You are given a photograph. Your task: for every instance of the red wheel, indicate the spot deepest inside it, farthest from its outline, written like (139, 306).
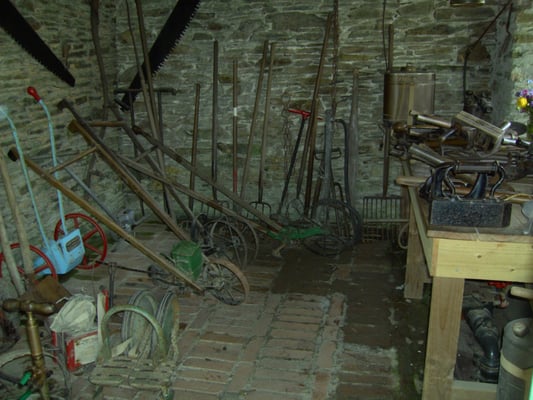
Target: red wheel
(41, 262)
(93, 236)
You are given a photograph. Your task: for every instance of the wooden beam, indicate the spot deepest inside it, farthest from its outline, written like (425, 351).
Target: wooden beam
(506, 261)
(444, 328)
(463, 390)
(416, 272)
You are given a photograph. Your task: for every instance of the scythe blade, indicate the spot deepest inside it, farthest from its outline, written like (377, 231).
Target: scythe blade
(22, 32)
(170, 35)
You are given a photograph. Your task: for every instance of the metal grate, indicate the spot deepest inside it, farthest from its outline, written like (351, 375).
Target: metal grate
(382, 218)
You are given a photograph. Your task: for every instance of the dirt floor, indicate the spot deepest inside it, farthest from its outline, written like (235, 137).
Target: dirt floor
(379, 321)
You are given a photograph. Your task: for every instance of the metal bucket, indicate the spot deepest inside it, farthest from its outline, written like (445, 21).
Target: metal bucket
(405, 91)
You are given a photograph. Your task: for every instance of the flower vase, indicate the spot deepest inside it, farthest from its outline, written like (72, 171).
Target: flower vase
(529, 130)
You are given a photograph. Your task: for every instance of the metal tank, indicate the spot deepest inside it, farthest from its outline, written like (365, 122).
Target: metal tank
(516, 363)
(405, 90)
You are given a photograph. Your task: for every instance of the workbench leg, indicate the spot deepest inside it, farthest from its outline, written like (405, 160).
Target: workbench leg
(416, 273)
(442, 338)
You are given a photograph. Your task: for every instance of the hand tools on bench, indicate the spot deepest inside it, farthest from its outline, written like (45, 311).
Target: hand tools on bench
(474, 209)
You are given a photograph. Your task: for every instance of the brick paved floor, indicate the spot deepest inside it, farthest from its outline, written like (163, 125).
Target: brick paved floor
(313, 328)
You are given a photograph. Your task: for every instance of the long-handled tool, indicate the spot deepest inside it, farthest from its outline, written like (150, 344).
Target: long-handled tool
(214, 119)
(235, 135)
(264, 207)
(351, 154)
(194, 147)
(305, 116)
(119, 230)
(222, 189)
(170, 35)
(15, 210)
(215, 279)
(21, 232)
(67, 252)
(148, 91)
(314, 117)
(10, 259)
(246, 166)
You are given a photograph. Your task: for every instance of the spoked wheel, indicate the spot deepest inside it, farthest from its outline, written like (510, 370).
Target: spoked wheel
(15, 364)
(250, 236)
(341, 226)
(225, 281)
(42, 266)
(228, 242)
(93, 236)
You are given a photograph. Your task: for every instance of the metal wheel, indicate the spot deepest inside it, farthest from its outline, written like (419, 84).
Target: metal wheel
(225, 281)
(14, 364)
(228, 242)
(94, 238)
(42, 266)
(341, 225)
(136, 327)
(250, 236)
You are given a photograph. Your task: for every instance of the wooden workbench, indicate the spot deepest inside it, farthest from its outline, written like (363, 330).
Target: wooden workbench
(446, 257)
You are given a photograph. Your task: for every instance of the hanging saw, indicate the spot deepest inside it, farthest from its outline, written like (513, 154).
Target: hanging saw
(169, 36)
(20, 30)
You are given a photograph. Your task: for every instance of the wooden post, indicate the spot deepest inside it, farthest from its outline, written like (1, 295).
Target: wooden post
(444, 328)
(416, 273)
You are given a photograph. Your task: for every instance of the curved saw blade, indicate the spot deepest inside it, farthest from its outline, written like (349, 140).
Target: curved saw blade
(170, 35)
(20, 30)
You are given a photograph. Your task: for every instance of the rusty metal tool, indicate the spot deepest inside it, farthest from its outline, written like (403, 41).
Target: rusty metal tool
(22, 32)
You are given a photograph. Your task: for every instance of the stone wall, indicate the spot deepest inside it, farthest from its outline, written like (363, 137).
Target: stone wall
(428, 34)
(520, 60)
(66, 30)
